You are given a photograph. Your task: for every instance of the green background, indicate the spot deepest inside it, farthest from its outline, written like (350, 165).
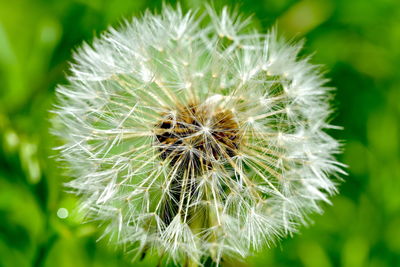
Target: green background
(357, 41)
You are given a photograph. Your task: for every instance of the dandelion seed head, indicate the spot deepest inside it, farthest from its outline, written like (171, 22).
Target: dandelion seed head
(196, 141)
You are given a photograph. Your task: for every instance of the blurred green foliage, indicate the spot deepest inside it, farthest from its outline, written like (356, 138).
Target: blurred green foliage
(358, 41)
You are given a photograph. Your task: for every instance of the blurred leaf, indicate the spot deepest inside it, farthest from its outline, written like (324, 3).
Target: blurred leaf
(355, 252)
(305, 16)
(312, 255)
(29, 161)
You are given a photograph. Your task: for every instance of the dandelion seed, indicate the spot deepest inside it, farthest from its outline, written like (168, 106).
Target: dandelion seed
(196, 142)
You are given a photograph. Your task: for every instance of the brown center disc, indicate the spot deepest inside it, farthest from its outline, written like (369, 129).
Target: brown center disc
(198, 135)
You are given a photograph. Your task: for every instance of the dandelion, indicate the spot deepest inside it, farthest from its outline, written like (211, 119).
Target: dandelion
(194, 137)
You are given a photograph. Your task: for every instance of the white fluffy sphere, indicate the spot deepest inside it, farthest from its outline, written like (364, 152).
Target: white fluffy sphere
(195, 137)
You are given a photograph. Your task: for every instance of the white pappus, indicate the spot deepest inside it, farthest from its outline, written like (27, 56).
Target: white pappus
(196, 137)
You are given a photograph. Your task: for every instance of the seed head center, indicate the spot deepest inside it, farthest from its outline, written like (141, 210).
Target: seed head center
(198, 135)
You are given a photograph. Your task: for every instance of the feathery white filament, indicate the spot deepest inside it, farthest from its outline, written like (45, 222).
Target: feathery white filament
(197, 141)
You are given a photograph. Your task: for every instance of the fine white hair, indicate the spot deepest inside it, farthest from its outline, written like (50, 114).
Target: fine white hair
(201, 202)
